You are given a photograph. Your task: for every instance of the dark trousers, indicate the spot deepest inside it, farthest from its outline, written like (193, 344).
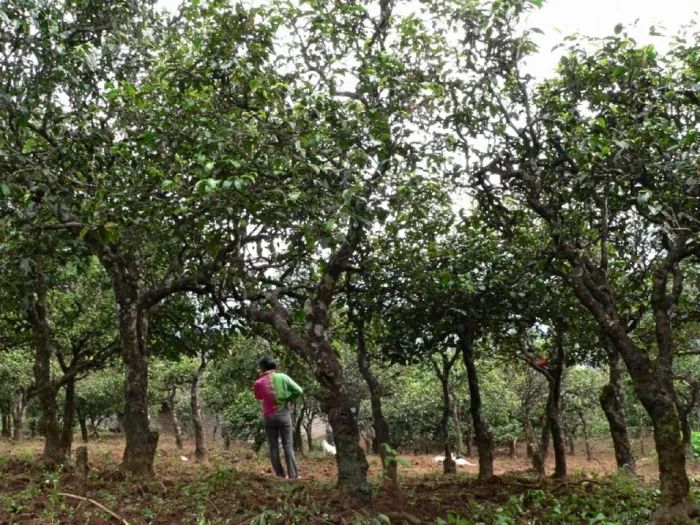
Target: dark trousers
(279, 425)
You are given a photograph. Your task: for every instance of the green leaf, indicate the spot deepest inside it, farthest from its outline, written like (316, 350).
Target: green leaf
(203, 186)
(298, 316)
(84, 232)
(5, 189)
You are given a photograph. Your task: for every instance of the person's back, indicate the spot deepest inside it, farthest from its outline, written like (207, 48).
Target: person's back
(276, 390)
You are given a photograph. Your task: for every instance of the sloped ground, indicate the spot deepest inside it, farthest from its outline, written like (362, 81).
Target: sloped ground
(236, 487)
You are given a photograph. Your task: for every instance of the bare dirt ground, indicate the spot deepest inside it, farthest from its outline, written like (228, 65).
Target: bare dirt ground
(236, 486)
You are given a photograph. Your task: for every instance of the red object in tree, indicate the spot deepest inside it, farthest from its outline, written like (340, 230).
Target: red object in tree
(542, 362)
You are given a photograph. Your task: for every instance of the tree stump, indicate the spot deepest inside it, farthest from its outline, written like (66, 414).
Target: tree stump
(81, 465)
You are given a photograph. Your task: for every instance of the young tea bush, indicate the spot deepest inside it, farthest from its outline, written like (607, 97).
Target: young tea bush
(618, 501)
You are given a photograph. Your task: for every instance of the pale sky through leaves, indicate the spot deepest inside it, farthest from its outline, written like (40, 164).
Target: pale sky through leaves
(597, 18)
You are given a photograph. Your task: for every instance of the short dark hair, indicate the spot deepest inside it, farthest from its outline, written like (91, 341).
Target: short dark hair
(267, 363)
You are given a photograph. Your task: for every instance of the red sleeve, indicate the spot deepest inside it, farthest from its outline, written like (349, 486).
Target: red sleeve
(257, 390)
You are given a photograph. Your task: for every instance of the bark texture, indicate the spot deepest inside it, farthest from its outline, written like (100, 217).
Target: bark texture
(141, 441)
(482, 429)
(177, 426)
(554, 407)
(81, 465)
(351, 461)
(457, 422)
(539, 456)
(82, 421)
(308, 426)
(443, 369)
(685, 405)
(529, 437)
(68, 418)
(200, 450)
(612, 403)
(54, 453)
(382, 438)
(18, 412)
(298, 443)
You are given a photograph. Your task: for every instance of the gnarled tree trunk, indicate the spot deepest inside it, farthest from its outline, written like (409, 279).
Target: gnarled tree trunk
(18, 411)
(177, 426)
(482, 430)
(46, 391)
(685, 407)
(586, 441)
(554, 407)
(686, 433)
(443, 372)
(82, 421)
(382, 438)
(612, 403)
(513, 448)
(141, 441)
(459, 443)
(539, 456)
(298, 443)
(529, 437)
(333, 396)
(351, 461)
(200, 451)
(68, 417)
(653, 385)
(308, 426)
(469, 439)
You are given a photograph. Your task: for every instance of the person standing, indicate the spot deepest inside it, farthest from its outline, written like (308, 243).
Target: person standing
(276, 390)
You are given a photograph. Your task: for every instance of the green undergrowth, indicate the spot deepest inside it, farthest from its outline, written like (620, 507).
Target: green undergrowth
(615, 500)
(227, 494)
(695, 443)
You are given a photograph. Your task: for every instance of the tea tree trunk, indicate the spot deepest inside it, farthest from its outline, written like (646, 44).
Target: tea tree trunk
(554, 408)
(482, 430)
(612, 403)
(82, 421)
(54, 453)
(141, 441)
(382, 439)
(18, 412)
(172, 406)
(200, 451)
(68, 418)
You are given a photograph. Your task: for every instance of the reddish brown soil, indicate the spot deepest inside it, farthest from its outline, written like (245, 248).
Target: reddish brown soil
(237, 484)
